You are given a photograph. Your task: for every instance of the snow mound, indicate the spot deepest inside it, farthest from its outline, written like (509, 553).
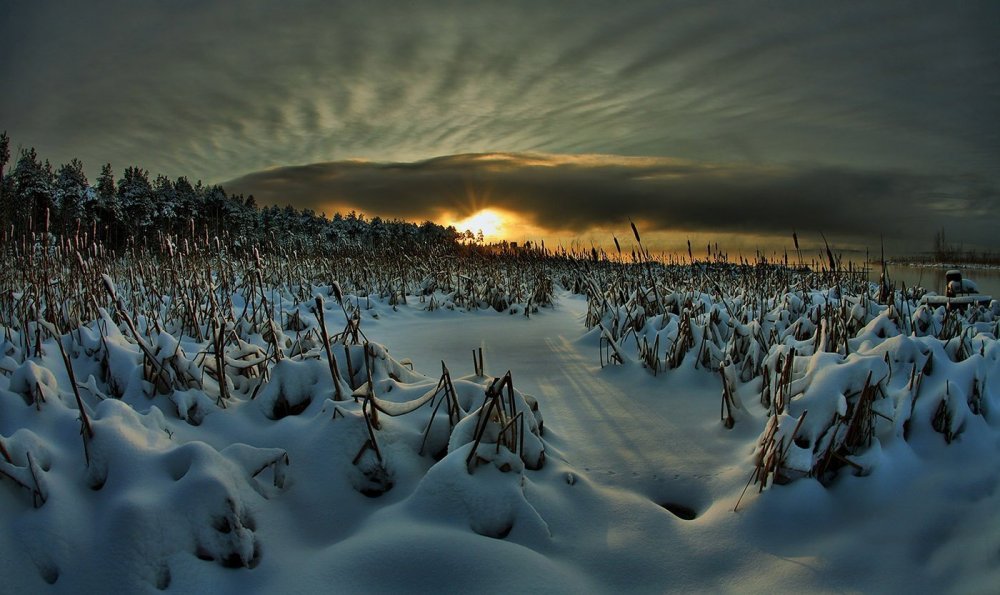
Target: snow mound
(175, 460)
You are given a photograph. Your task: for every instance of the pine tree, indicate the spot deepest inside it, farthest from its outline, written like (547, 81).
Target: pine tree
(70, 192)
(186, 206)
(4, 151)
(240, 219)
(32, 189)
(165, 201)
(214, 207)
(135, 195)
(109, 211)
(4, 197)
(251, 215)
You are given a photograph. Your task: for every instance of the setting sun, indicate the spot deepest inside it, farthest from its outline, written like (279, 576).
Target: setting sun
(490, 222)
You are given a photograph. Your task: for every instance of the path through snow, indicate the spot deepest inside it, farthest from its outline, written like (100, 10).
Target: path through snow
(609, 422)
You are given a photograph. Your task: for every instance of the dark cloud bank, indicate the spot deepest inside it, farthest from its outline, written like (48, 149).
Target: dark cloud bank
(575, 194)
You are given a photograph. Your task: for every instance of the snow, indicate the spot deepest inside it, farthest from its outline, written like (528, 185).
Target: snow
(626, 480)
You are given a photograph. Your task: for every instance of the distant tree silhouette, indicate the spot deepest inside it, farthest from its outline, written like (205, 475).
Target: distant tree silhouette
(135, 209)
(33, 189)
(135, 194)
(109, 210)
(5, 213)
(71, 191)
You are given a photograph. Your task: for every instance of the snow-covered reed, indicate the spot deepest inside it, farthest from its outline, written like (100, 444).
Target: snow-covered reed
(865, 361)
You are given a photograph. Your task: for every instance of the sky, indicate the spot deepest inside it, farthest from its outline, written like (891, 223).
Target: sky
(737, 122)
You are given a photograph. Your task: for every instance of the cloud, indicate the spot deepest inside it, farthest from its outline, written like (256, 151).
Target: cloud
(891, 106)
(580, 193)
(211, 90)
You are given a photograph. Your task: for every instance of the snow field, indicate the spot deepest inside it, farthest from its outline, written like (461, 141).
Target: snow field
(879, 421)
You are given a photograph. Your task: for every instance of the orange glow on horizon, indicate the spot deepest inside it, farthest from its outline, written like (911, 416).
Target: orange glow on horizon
(490, 222)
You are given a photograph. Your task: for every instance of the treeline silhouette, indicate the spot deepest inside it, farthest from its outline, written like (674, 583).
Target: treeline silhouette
(945, 251)
(37, 198)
